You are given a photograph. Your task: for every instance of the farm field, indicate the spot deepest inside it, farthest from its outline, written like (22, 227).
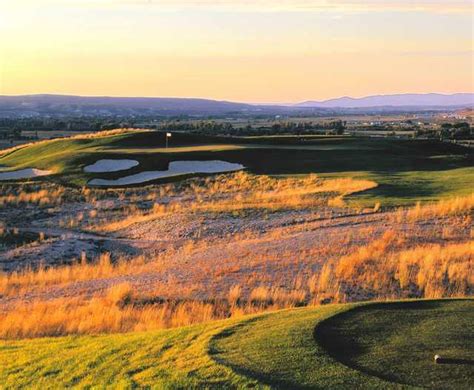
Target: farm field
(254, 246)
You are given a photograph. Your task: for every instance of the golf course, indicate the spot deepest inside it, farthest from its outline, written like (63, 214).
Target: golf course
(375, 345)
(406, 171)
(230, 262)
(237, 194)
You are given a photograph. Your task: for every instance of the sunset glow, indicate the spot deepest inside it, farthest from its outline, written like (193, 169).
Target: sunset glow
(253, 51)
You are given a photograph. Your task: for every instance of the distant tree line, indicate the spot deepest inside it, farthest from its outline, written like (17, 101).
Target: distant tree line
(279, 128)
(11, 128)
(454, 131)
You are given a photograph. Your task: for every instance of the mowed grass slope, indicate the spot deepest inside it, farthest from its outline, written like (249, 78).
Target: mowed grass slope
(277, 350)
(406, 170)
(398, 188)
(398, 341)
(174, 358)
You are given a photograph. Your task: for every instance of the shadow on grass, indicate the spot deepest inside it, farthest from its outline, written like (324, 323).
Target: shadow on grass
(266, 379)
(346, 340)
(469, 362)
(404, 190)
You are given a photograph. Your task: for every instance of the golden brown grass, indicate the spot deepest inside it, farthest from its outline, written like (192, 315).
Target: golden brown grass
(121, 310)
(41, 197)
(242, 191)
(443, 208)
(385, 269)
(436, 270)
(47, 195)
(391, 265)
(381, 269)
(111, 313)
(28, 279)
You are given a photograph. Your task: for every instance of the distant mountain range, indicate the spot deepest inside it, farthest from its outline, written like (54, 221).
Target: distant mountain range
(68, 105)
(88, 105)
(400, 100)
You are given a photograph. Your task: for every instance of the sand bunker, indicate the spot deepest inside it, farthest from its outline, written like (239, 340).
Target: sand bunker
(176, 168)
(105, 165)
(27, 173)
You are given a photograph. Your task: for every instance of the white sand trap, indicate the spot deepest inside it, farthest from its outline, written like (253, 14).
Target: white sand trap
(176, 168)
(27, 173)
(105, 165)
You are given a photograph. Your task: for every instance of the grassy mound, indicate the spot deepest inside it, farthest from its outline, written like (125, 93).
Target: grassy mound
(174, 358)
(407, 170)
(280, 349)
(397, 341)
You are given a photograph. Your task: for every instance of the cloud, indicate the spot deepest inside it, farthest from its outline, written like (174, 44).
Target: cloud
(437, 6)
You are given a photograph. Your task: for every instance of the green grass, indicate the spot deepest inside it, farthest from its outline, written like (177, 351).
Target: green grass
(397, 341)
(353, 346)
(175, 358)
(406, 170)
(405, 188)
(279, 350)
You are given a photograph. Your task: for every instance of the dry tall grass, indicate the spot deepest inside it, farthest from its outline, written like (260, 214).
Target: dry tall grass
(385, 269)
(120, 310)
(442, 208)
(380, 270)
(28, 279)
(242, 191)
(111, 313)
(382, 264)
(41, 197)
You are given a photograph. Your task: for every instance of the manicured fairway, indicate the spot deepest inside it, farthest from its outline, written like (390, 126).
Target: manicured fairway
(405, 188)
(335, 346)
(406, 170)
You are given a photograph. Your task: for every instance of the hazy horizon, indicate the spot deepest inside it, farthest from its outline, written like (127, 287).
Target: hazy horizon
(257, 52)
(282, 103)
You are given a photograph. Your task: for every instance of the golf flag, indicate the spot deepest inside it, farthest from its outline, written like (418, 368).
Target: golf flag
(168, 134)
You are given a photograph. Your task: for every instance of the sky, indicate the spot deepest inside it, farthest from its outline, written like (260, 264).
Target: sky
(259, 51)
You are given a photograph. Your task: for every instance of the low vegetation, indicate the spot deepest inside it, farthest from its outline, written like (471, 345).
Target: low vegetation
(385, 268)
(178, 284)
(244, 353)
(241, 191)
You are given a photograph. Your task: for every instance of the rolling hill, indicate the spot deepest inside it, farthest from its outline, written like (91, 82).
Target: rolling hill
(406, 170)
(35, 105)
(398, 100)
(104, 106)
(334, 346)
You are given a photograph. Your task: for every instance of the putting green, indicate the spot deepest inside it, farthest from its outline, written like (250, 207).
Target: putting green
(397, 342)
